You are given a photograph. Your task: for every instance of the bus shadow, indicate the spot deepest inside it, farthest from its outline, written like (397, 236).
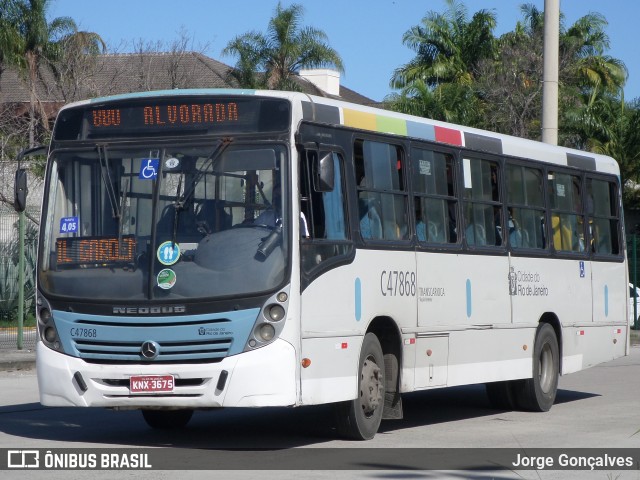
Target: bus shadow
(457, 403)
(245, 428)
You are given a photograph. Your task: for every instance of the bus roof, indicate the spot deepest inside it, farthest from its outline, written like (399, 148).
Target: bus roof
(336, 112)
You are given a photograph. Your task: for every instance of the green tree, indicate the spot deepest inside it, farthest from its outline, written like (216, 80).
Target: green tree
(440, 78)
(36, 42)
(273, 60)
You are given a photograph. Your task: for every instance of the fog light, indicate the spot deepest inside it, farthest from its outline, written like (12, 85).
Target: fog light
(45, 315)
(282, 297)
(267, 332)
(50, 334)
(276, 312)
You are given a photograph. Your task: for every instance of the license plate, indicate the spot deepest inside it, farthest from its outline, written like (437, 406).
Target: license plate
(151, 383)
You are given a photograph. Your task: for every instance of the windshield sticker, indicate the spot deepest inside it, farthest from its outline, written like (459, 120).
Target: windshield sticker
(69, 225)
(166, 278)
(149, 169)
(168, 253)
(172, 162)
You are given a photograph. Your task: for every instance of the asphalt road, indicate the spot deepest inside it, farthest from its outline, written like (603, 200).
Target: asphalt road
(597, 408)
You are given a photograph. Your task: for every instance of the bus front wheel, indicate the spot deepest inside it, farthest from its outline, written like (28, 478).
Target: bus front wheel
(360, 419)
(539, 392)
(167, 419)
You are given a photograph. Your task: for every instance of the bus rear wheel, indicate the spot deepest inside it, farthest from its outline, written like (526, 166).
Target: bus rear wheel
(538, 393)
(359, 419)
(167, 419)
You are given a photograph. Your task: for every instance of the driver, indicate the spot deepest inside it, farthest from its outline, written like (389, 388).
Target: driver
(272, 216)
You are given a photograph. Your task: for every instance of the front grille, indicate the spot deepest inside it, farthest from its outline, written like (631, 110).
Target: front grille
(168, 351)
(179, 339)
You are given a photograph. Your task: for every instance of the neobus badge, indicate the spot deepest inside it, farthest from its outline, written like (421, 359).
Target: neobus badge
(154, 310)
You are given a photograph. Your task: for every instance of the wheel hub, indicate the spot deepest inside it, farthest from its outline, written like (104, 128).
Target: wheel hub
(370, 387)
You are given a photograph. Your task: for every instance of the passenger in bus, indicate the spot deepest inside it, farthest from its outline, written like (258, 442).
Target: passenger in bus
(475, 234)
(429, 230)
(515, 233)
(370, 224)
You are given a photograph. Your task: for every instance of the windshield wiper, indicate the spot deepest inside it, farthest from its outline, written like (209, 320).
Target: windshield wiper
(182, 200)
(222, 146)
(105, 174)
(178, 206)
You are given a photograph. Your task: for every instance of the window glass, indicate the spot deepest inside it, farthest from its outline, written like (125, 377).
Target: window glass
(603, 220)
(567, 220)
(525, 209)
(435, 204)
(382, 200)
(323, 218)
(482, 208)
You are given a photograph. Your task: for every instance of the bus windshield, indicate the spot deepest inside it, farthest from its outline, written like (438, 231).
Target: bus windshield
(165, 222)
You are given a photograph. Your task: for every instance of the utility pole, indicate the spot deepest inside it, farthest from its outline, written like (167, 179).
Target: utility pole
(550, 73)
(20, 280)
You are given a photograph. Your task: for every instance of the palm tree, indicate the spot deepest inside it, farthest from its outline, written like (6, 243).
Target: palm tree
(9, 34)
(36, 42)
(448, 46)
(440, 80)
(286, 48)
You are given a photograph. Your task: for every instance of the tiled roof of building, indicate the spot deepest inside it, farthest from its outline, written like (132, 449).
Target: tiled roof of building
(124, 73)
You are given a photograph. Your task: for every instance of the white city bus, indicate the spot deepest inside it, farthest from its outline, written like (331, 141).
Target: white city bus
(235, 248)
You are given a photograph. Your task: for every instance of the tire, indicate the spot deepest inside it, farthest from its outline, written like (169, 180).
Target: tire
(502, 394)
(359, 419)
(167, 419)
(538, 394)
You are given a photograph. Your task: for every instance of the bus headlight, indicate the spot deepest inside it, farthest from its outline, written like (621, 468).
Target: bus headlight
(276, 313)
(266, 332)
(47, 329)
(50, 334)
(270, 322)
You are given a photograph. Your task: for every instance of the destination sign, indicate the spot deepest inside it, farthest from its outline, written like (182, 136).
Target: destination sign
(173, 115)
(95, 250)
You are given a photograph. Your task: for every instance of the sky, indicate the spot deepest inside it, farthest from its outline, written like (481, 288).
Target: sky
(366, 33)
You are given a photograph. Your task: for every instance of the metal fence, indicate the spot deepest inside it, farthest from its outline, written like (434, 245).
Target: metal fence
(9, 273)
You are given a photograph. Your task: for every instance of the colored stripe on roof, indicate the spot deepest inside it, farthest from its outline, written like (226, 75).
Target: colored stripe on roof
(483, 143)
(362, 120)
(581, 161)
(400, 126)
(448, 135)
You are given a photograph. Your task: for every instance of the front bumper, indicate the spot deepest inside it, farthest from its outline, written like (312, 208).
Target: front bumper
(260, 378)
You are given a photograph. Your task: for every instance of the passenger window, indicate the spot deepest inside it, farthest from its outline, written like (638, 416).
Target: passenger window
(525, 207)
(435, 202)
(482, 207)
(567, 219)
(603, 217)
(382, 198)
(323, 219)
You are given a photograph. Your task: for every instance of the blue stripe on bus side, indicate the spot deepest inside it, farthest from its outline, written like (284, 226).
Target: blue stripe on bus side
(606, 300)
(468, 298)
(358, 299)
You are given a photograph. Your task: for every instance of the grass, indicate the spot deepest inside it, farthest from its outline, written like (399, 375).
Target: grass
(29, 321)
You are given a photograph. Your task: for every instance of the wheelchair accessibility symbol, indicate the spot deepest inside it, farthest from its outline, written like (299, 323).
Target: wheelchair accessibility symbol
(149, 169)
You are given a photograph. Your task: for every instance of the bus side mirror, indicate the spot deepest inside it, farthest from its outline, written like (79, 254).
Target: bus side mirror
(324, 174)
(20, 190)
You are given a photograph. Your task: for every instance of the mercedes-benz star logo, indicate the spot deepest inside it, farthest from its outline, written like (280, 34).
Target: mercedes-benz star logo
(150, 349)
